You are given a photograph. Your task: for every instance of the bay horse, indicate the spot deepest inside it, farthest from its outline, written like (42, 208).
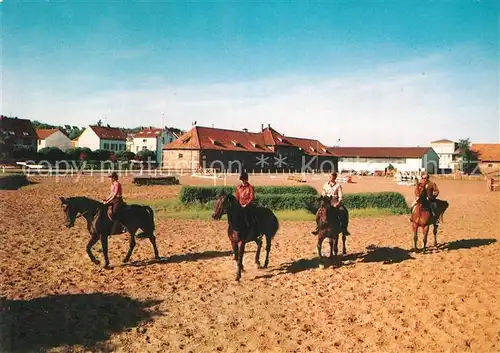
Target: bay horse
(265, 223)
(329, 226)
(421, 217)
(100, 226)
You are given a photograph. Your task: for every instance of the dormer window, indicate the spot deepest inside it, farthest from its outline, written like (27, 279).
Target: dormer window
(186, 140)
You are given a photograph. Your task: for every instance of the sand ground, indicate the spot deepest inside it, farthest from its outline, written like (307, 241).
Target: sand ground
(382, 299)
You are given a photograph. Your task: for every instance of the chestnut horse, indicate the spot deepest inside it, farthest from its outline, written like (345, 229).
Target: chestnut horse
(264, 223)
(329, 227)
(421, 217)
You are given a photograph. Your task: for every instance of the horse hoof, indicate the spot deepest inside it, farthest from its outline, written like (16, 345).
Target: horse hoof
(125, 261)
(322, 266)
(96, 262)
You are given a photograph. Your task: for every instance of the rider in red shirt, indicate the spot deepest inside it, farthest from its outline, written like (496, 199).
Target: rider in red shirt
(245, 195)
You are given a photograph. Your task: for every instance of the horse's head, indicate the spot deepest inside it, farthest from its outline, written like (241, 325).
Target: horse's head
(222, 204)
(325, 201)
(70, 211)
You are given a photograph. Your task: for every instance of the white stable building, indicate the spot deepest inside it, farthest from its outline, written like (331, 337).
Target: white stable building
(373, 159)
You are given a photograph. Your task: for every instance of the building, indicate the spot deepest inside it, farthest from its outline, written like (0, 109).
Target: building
(53, 138)
(235, 150)
(379, 158)
(18, 132)
(488, 155)
(104, 138)
(152, 139)
(446, 150)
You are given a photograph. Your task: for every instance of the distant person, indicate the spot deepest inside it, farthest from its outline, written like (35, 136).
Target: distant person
(334, 189)
(245, 194)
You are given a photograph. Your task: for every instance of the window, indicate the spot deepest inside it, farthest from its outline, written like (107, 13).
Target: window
(181, 155)
(137, 148)
(143, 140)
(490, 165)
(144, 148)
(106, 146)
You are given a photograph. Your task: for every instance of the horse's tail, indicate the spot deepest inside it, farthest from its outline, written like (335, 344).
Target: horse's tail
(150, 212)
(445, 207)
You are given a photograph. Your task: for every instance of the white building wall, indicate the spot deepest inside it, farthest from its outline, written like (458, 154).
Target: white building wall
(57, 139)
(445, 152)
(89, 139)
(113, 145)
(141, 143)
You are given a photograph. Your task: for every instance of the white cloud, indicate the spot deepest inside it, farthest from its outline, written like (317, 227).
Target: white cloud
(408, 103)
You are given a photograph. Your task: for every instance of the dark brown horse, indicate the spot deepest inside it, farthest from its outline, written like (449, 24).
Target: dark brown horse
(421, 217)
(265, 224)
(133, 218)
(329, 226)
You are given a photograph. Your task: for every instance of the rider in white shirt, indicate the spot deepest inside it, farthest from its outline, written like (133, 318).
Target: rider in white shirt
(334, 189)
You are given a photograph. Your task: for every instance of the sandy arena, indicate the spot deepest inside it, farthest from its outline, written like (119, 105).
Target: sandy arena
(383, 298)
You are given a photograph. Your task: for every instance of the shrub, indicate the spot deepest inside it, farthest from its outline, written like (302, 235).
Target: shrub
(191, 194)
(391, 200)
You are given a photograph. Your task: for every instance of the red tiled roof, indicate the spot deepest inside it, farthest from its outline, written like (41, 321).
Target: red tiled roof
(487, 152)
(442, 141)
(233, 140)
(380, 152)
(17, 127)
(44, 133)
(109, 133)
(205, 138)
(149, 133)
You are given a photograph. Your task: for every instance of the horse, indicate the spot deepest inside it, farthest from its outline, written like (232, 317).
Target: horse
(329, 226)
(100, 226)
(421, 217)
(264, 223)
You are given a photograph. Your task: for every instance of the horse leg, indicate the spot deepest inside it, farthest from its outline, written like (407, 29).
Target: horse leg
(257, 253)
(415, 237)
(241, 250)
(268, 250)
(320, 243)
(104, 244)
(330, 240)
(344, 251)
(152, 239)
(426, 232)
(131, 247)
(435, 231)
(90, 244)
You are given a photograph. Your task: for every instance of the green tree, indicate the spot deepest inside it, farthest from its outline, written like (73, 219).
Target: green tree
(467, 156)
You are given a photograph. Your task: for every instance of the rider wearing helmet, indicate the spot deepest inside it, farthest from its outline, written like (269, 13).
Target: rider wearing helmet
(245, 195)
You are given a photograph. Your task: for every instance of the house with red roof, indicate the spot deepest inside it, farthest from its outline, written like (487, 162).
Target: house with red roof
(53, 138)
(152, 139)
(488, 155)
(103, 137)
(372, 159)
(236, 150)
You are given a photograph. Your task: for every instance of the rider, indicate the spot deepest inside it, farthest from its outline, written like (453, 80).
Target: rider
(432, 193)
(245, 195)
(115, 199)
(334, 189)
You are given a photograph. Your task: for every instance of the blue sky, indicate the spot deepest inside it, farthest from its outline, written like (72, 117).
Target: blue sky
(367, 73)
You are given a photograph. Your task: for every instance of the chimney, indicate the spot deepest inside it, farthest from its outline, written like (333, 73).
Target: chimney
(269, 126)
(245, 130)
(261, 127)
